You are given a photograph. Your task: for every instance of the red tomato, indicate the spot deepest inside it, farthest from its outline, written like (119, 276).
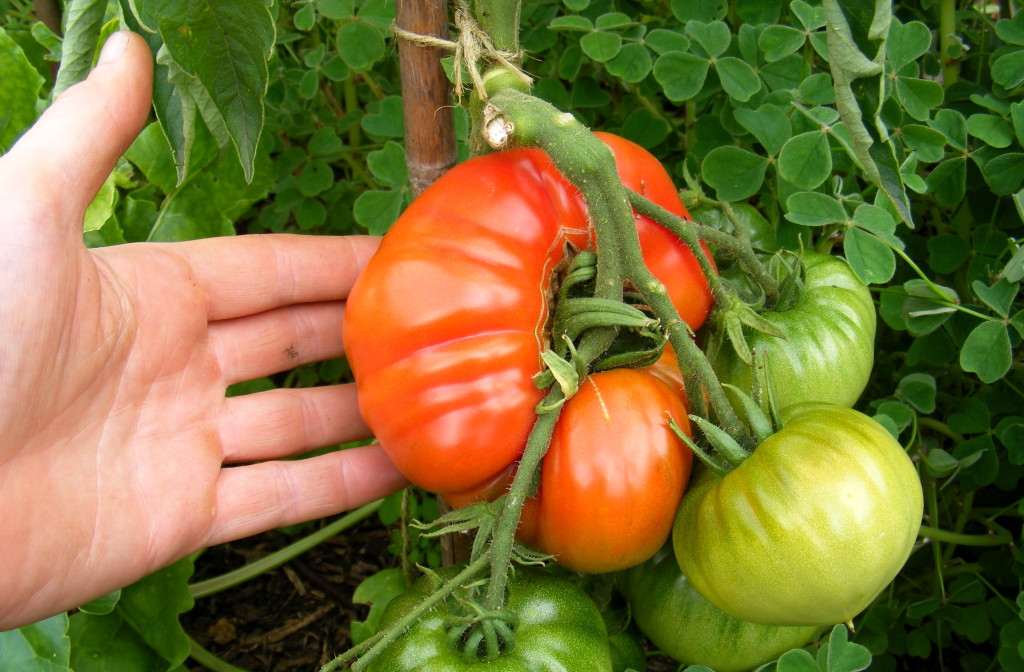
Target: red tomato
(445, 326)
(613, 476)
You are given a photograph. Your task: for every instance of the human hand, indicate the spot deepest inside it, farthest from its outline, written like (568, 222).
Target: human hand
(114, 426)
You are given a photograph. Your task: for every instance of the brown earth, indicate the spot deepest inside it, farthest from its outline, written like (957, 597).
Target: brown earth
(295, 618)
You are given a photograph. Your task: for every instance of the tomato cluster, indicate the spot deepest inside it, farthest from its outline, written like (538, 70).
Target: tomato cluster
(445, 330)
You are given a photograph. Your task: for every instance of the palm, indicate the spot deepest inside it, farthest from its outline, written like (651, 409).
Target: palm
(113, 368)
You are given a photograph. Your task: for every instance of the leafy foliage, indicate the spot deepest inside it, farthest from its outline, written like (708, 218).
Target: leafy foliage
(899, 137)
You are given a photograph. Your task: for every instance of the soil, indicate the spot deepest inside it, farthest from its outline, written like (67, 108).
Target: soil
(294, 618)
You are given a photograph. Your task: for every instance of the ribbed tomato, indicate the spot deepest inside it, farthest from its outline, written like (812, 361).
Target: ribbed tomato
(445, 326)
(613, 476)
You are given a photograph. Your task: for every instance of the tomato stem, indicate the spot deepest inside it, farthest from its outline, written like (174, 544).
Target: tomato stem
(523, 120)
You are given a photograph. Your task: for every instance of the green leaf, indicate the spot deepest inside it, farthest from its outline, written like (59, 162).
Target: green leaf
(388, 121)
(918, 390)
(987, 351)
(806, 160)
(1008, 70)
(360, 44)
(571, 23)
(632, 64)
(376, 590)
(310, 214)
(769, 124)
(151, 154)
(662, 41)
(1011, 30)
(377, 210)
(315, 178)
(796, 660)
(102, 605)
(844, 655)
(1005, 173)
(305, 18)
(388, 165)
(577, 5)
(991, 129)
(928, 143)
(733, 172)
(878, 221)
(102, 206)
(947, 252)
(209, 203)
(681, 75)
(948, 181)
(19, 94)
(224, 46)
(324, 142)
(601, 46)
(810, 208)
(644, 128)
(919, 96)
(1014, 269)
(999, 296)
(738, 79)
(714, 36)
(81, 32)
(777, 41)
(953, 125)
(39, 647)
(699, 10)
(613, 20)
(872, 260)
(917, 307)
(1010, 431)
(142, 632)
(817, 89)
(907, 42)
(336, 9)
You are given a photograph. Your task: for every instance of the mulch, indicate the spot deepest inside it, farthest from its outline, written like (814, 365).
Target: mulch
(296, 617)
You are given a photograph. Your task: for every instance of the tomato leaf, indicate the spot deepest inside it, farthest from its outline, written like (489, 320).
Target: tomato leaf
(19, 94)
(987, 351)
(102, 605)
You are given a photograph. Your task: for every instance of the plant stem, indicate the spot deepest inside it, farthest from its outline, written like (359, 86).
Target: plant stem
(588, 164)
(280, 557)
(500, 20)
(1001, 538)
(505, 532)
(208, 660)
(947, 31)
(376, 644)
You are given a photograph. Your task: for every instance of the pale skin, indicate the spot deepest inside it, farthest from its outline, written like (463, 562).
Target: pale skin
(115, 433)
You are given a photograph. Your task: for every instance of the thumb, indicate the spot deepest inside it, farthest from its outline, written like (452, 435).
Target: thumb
(71, 149)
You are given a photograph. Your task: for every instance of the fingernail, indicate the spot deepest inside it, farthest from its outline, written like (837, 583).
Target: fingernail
(115, 47)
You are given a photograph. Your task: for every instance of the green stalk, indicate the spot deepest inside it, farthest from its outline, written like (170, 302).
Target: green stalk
(588, 164)
(208, 660)
(278, 558)
(500, 20)
(1001, 538)
(947, 31)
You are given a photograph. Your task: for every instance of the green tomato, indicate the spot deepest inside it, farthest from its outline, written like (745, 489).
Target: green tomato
(682, 624)
(559, 629)
(810, 528)
(829, 344)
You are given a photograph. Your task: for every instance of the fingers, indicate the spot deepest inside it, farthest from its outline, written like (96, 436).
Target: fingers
(278, 423)
(259, 497)
(277, 340)
(250, 274)
(72, 148)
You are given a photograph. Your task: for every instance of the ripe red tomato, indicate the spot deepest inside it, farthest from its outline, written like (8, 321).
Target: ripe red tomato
(613, 476)
(445, 326)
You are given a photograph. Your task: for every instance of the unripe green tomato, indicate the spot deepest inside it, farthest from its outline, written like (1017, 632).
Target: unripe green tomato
(829, 348)
(682, 624)
(810, 528)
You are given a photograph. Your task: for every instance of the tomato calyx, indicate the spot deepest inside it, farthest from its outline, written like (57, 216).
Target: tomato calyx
(484, 634)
